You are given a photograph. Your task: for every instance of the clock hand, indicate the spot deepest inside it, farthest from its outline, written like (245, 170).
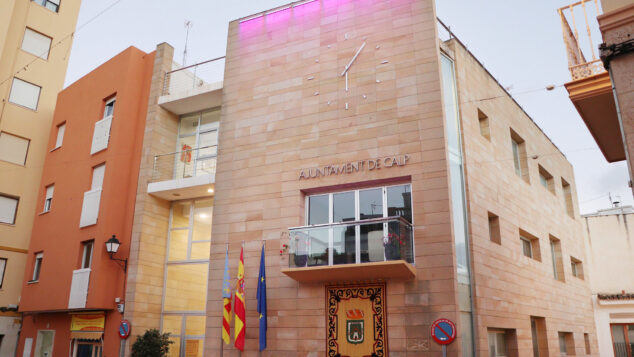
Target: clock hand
(352, 60)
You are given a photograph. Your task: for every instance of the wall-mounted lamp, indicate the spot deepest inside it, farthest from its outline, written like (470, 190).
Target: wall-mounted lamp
(112, 246)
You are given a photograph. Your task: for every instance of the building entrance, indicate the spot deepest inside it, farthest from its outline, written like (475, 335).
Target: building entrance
(88, 349)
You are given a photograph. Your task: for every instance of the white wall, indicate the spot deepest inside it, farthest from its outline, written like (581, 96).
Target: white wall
(9, 329)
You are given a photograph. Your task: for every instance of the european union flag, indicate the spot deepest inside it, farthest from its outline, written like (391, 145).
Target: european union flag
(261, 296)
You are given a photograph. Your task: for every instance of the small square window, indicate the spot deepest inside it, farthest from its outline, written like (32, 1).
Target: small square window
(13, 149)
(24, 94)
(8, 209)
(36, 43)
(577, 267)
(546, 179)
(52, 5)
(502, 342)
(530, 245)
(566, 343)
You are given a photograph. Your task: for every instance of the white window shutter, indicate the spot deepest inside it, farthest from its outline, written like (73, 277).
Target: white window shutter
(101, 135)
(79, 289)
(90, 208)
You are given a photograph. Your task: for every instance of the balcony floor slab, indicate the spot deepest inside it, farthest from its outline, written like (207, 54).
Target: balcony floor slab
(394, 269)
(185, 188)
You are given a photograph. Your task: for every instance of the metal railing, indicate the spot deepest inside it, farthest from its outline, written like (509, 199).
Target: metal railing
(579, 45)
(370, 240)
(194, 79)
(184, 164)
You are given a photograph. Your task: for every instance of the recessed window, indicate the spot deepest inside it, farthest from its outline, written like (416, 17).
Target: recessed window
(520, 162)
(567, 190)
(494, 228)
(86, 255)
(97, 177)
(557, 259)
(566, 343)
(530, 245)
(24, 93)
(586, 339)
(37, 266)
(36, 43)
(48, 199)
(61, 129)
(109, 108)
(3, 267)
(52, 5)
(13, 148)
(502, 342)
(546, 179)
(483, 120)
(8, 209)
(577, 267)
(539, 336)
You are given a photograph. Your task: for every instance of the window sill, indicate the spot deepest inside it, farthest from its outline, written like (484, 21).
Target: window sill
(44, 212)
(32, 281)
(22, 106)
(36, 56)
(7, 224)
(46, 8)
(55, 148)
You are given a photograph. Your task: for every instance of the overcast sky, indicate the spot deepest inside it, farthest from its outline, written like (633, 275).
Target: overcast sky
(519, 42)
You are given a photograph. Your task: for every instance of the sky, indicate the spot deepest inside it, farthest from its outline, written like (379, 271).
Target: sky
(519, 42)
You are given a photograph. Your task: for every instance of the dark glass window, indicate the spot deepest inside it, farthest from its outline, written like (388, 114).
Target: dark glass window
(343, 207)
(399, 202)
(370, 204)
(318, 209)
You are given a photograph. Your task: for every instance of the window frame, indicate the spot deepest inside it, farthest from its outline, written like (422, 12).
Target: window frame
(17, 207)
(530, 246)
(85, 245)
(39, 94)
(59, 140)
(628, 344)
(50, 44)
(48, 201)
(3, 270)
(496, 333)
(109, 103)
(576, 267)
(46, 2)
(26, 153)
(37, 267)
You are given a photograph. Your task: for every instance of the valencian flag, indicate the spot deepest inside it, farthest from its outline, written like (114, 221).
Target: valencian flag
(226, 302)
(239, 327)
(261, 296)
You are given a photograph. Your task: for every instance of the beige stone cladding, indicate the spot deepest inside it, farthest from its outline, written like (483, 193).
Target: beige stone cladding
(284, 109)
(509, 286)
(151, 215)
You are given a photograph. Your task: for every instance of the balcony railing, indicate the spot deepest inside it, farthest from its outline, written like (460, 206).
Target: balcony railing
(580, 45)
(185, 164)
(371, 240)
(194, 79)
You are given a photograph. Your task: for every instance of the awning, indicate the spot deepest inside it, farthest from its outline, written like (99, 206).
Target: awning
(86, 335)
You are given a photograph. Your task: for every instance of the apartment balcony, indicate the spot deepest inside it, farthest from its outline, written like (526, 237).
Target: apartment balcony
(184, 174)
(193, 88)
(590, 88)
(373, 249)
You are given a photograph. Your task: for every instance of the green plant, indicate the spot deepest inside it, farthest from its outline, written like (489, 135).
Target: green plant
(153, 343)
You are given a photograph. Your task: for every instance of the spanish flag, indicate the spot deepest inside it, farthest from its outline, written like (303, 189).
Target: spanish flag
(226, 302)
(239, 327)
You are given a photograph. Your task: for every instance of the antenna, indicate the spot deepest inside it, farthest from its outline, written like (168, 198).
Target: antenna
(188, 25)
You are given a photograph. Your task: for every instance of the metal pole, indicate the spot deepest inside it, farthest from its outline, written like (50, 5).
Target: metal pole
(444, 350)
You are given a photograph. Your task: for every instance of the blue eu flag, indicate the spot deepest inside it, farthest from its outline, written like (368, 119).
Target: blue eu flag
(261, 296)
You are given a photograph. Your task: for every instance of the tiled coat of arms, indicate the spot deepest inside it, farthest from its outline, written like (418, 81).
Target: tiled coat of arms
(356, 321)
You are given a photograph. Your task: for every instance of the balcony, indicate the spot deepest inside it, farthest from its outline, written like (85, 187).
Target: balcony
(381, 248)
(193, 88)
(590, 88)
(184, 174)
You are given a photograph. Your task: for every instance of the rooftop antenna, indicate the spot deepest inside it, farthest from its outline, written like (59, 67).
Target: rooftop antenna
(188, 25)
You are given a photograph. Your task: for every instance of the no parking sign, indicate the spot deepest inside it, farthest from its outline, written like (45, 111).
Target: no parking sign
(443, 331)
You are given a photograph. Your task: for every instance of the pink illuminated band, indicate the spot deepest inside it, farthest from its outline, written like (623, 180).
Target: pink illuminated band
(276, 10)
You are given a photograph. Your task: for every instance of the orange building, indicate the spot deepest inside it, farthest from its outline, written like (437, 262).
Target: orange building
(72, 291)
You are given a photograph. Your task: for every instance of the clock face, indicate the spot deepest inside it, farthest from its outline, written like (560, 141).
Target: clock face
(355, 75)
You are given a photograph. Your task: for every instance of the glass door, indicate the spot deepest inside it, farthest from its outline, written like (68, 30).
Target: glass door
(197, 145)
(88, 349)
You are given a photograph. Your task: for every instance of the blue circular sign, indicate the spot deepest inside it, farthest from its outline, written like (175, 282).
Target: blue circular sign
(443, 331)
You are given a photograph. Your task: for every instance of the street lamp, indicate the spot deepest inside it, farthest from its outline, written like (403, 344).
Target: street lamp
(112, 246)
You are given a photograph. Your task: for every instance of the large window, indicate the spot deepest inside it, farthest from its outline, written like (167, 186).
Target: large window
(36, 43)
(24, 94)
(13, 148)
(187, 266)
(8, 209)
(359, 226)
(623, 340)
(197, 144)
